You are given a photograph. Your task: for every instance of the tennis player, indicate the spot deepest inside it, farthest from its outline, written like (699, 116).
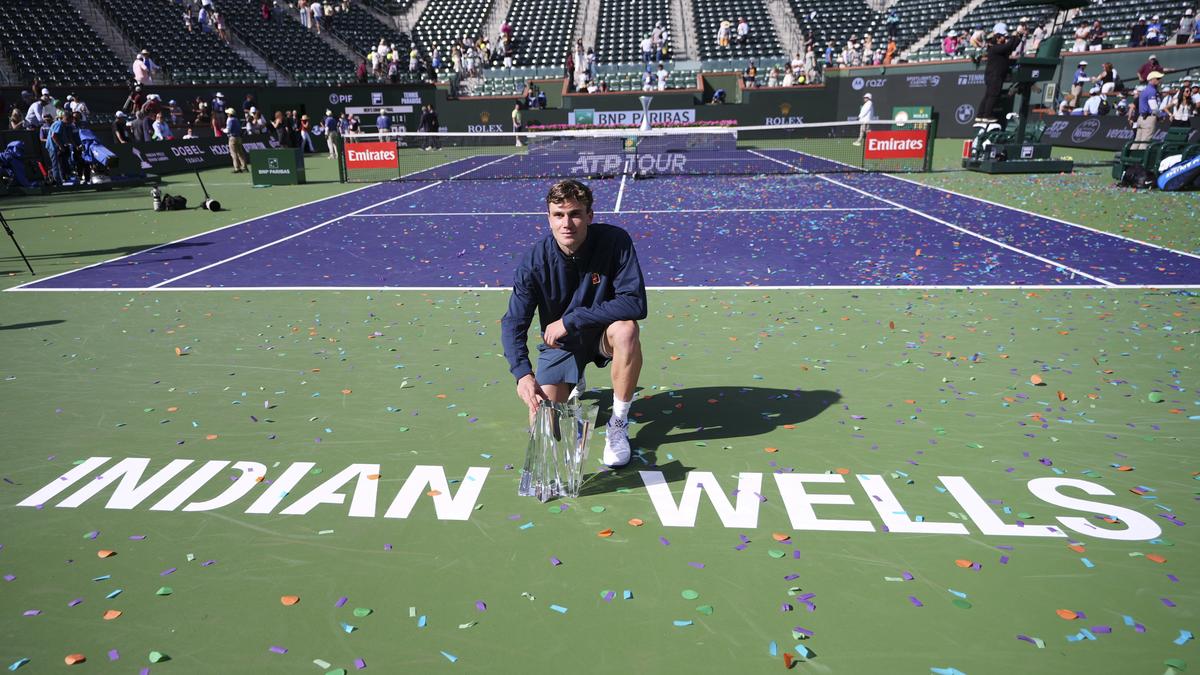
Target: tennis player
(585, 283)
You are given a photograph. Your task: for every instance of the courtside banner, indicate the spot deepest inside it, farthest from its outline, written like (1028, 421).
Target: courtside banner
(896, 144)
(372, 156)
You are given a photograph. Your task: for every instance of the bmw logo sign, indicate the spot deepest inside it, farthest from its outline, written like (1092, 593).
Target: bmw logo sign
(965, 113)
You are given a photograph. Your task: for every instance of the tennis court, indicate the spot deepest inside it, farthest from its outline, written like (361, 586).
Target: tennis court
(885, 424)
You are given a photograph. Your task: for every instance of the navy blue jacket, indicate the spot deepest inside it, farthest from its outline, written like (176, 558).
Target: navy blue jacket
(599, 285)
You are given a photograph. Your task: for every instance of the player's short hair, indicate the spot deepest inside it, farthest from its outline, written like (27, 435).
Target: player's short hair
(570, 189)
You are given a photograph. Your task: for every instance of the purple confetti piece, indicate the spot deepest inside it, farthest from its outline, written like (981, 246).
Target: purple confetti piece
(1167, 602)
(169, 570)
(555, 561)
(916, 603)
(1103, 630)
(740, 547)
(9, 577)
(75, 602)
(1003, 560)
(907, 576)
(144, 671)
(208, 563)
(387, 547)
(137, 537)
(92, 535)
(1079, 614)
(785, 607)
(663, 541)
(1173, 578)
(481, 605)
(609, 595)
(744, 538)
(802, 630)
(1026, 638)
(360, 664)
(791, 577)
(278, 650)
(697, 565)
(114, 655)
(1139, 628)
(341, 602)
(32, 612)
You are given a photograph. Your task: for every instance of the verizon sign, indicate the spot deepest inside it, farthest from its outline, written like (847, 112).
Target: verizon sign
(371, 156)
(895, 144)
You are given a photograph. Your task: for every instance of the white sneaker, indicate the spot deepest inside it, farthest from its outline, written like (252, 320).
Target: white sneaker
(856, 143)
(616, 443)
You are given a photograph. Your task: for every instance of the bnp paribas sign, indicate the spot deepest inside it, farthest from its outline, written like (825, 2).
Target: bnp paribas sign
(356, 489)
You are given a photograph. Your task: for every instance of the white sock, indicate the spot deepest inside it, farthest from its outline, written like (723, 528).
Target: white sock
(620, 409)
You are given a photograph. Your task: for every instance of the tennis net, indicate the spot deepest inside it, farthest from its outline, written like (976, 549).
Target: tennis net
(829, 147)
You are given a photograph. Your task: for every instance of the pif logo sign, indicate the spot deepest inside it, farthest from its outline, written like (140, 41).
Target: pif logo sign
(371, 156)
(895, 145)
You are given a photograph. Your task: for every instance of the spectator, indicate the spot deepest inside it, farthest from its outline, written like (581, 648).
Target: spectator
(662, 77)
(413, 57)
(868, 47)
(306, 141)
(1151, 65)
(950, 44)
(203, 19)
(219, 121)
(750, 76)
(890, 55)
(865, 114)
(893, 23)
(383, 123)
(1107, 79)
(743, 30)
(517, 122)
(718, 97)
(773, 77)
(647, 46)
(222, 28)
(333, 133)
(1077, 81)
(264, 9)
(190, 134)
(279, 130)
(1137, 32)
(789, 77)
(1154, 31)
(141, 72)
(203, 116)
(188, 19)
(318, 13)
(1179, 107)
(120, 127)
(1039, 34)
(305, 14)
(162, 131)
(723, 33)
(39, 109)
(647, 80)
(44, 129)
(1081, 38)
(78, 108)
(1092, 105)
(1096, 37)
(1187, 26)
(255, 123)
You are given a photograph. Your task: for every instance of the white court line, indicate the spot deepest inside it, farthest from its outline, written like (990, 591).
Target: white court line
(542, 213)
(691, 289)
(290, 236)
(620, 194)
(499, 159)
(952, 226)
(190, 236)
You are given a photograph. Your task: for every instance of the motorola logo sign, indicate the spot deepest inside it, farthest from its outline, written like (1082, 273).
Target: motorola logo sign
(965, 113)
(1085, 131)
(858, 83)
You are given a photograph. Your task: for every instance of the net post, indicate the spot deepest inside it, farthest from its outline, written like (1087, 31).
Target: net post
(341, 154)
(929, 142)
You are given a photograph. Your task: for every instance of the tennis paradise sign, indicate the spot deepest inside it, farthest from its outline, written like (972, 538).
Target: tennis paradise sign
(910, 144)
(244, 485)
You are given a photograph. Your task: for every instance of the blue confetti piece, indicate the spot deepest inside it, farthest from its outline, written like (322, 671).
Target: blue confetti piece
(1087, 563)
(18, 663)
(1128, 619)
(1184, 636)
(559, 608)
(947, 671)
(958, 593)
(452, 658)
(773, 649)
(421, 622)
(1087, 634)
(114, 594)
(803, 651)
(628, 595)
(680, 623)
(526, 526)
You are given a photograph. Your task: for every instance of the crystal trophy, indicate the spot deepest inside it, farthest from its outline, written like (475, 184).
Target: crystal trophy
(558, 448)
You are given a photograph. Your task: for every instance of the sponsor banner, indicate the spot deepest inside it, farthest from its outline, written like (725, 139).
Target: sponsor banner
(895, 144)
(164, 157)
(1109, 132)
(917, 117)
(372, 156)
(631, 117)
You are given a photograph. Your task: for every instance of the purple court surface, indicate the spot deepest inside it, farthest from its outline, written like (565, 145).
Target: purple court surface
(797, 229)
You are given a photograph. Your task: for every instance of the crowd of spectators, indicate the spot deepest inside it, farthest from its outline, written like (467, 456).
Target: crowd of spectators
(1106, 93)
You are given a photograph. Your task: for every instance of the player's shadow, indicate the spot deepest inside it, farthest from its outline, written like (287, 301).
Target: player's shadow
(712, 415)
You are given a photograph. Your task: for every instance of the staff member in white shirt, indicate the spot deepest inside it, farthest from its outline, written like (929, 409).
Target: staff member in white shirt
(865, 114)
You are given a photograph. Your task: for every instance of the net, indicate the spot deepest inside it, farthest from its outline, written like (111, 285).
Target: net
(883, 145)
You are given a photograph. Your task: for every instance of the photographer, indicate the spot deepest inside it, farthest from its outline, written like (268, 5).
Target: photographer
(1000, 47)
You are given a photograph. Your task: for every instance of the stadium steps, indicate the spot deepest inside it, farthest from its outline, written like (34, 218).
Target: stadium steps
(786, 27)
(248, 54)
(940, 30)
(683, 38)
(587, 23)
(494, 19)
(114, 37)
(8, 74)
(328, 38)
(411, 16)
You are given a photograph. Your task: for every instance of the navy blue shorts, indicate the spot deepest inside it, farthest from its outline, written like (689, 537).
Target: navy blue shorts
(559, 365)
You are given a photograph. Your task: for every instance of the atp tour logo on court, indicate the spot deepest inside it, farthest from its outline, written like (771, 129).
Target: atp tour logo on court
(248, 486)
(663, 162)
(371, 156)
(895, 145)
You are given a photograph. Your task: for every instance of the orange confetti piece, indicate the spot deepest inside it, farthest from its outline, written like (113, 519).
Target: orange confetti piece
(1124, 468)
(892, 325)
(711, 400)
(1077, 548)
(434, 493)
(72, 659)
(112, 614)
(1176, 411)
(606, 532)
(105, 553)
(1066, 614)
(842, 471)
(787, 660)
(1154, 557)
(910, 401)
(178, 351)
(289, 600)
(1062, 395)
(173, 408)
(636, 522)
(373, 476)
(963, 563)
(674, 357)
(316, 370)
(347, 391)
(789, 426)
(1036, 380)
(441, 396)
(918, 252)
(211, 437)
(770, 449)
(1093, 396)
(780, 536)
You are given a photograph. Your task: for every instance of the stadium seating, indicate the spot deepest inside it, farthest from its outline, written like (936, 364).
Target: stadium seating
(196, 57)
(541, 31)
(837, 20)
(445, 23)
(762, 41)
(1117, 18)
(917, 18)
(623, 24)
(392, 7)
(987, 15)
(362, 31)
(49, 40)
(287, 45)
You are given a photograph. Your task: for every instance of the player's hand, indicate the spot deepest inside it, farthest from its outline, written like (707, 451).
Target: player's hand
(529, 392)
(553, 333)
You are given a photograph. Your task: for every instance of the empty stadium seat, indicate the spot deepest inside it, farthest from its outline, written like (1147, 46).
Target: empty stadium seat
(362, 31)
(49, 40)
(762, 40)
(623, 24)
(445, 23)
(541, 31)
(287, 45)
